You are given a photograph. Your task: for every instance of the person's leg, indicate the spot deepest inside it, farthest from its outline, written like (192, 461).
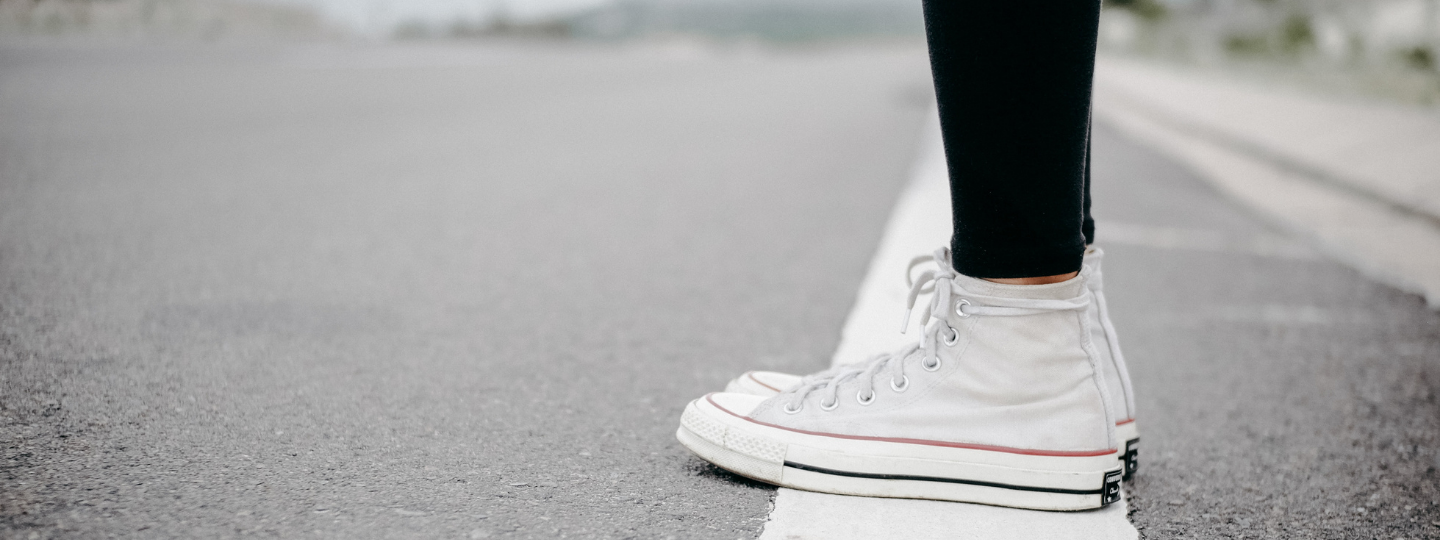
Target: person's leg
(1013, 83)
(1000, 399)
(1088, 225)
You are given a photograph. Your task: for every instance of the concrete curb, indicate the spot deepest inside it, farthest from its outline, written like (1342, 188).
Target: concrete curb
(1307, 164)
(1383, 152)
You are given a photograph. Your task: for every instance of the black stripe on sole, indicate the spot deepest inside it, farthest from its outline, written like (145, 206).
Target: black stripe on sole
(872, 476)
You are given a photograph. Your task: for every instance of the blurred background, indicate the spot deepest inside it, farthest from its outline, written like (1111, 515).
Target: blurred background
(1386, 46)
(1379, 47)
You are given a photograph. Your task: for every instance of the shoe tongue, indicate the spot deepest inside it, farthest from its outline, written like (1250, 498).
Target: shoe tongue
(1063, 290)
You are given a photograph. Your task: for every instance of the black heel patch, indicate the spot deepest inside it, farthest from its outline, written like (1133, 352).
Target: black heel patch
(1131, 458)
(1111, 492)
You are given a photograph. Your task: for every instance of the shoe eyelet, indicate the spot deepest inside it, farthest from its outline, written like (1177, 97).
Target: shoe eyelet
(931, 367)
(959, 307)
(797, 408)
(954, 336)
(860, 396)
(829, 407)
(903, 386)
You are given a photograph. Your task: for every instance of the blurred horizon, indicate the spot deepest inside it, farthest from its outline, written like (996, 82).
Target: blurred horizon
(1379, 48)
(385, 17)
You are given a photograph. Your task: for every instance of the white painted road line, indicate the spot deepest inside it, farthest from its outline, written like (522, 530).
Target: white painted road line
(803, 515)
(920, 223)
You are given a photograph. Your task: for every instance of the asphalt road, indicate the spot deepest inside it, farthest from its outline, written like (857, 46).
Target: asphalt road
(422, 291)
(465, 291)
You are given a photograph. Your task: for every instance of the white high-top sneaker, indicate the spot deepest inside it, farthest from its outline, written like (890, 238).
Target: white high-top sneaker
(999, 403)
(1120, 398)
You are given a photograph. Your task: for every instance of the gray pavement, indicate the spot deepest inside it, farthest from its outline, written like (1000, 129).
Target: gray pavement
(418, 292)
(464, 292)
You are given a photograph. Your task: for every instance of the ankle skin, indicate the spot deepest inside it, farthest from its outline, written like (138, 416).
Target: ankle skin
(1038, 280)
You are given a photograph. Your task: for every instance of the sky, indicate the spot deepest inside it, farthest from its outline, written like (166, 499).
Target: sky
(381, 16)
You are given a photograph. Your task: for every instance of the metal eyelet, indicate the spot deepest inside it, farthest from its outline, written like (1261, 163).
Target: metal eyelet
(959, 305)
(931, 367)
(797, 408)
(953, 338)
(903, 386)
(829, 407)
(859, 396)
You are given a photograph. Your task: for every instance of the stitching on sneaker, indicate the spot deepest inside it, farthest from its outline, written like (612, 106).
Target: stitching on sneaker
(751, 375)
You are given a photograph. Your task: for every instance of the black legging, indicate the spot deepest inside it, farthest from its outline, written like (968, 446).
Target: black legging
(1013, 80)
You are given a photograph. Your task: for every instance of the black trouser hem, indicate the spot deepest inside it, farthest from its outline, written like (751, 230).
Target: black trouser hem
(1008, 262)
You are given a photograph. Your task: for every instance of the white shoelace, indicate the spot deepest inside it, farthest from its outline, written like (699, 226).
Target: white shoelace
(941, 284)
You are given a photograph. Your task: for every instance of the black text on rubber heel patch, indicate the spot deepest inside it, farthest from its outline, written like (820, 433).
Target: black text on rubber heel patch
(1111, 492)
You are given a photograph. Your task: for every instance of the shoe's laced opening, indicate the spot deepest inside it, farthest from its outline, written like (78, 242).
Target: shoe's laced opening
(945, 292)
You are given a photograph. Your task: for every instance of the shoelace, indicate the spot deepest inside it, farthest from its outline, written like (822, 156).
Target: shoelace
(940, 283)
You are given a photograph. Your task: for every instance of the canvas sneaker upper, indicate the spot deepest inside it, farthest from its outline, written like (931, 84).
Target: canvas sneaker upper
(1120, 396)
(1001, 365)
(1102, 333)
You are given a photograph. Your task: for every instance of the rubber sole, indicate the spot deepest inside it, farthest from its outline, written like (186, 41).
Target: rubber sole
(1129, 432)
(898, 470)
